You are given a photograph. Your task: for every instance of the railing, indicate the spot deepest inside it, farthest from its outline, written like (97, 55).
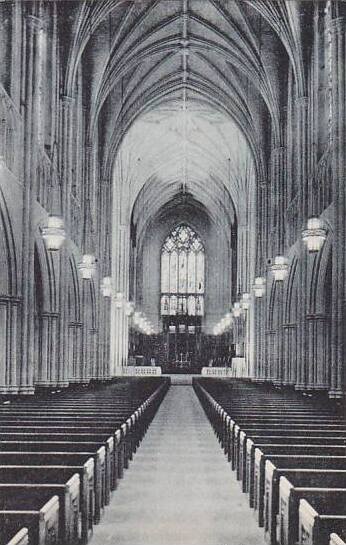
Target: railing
(237, 369)
(132, 371)
(216, 372)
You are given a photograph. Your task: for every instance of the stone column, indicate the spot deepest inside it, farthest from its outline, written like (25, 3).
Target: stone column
(46, 372)
(338, 52)
(302, 160)
(87, 320)
(119, 325)
(316, 379)
(65, 134)
(31, 117)
(8, 344)
(75, 352)
(278, 176)
(290, 351)
(260, 303)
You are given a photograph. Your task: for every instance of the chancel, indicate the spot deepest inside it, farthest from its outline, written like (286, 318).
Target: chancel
(172, 272)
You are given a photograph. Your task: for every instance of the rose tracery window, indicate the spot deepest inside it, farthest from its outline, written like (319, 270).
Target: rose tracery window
(182, 273)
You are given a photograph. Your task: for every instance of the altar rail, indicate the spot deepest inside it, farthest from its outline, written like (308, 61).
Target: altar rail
(216, 372)
(133, 371)
(237, 370)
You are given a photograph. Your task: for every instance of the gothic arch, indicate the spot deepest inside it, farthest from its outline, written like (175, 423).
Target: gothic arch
(291, 303)
(8, 256)
(74, 323)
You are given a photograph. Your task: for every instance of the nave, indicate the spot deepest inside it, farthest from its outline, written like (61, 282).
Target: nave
(180, 489)
(172, 202)
(63, 460)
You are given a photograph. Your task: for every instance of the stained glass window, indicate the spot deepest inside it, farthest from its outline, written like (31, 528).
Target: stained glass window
(182, 273)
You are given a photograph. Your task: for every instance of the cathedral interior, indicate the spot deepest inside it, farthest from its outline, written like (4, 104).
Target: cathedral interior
(172, 272)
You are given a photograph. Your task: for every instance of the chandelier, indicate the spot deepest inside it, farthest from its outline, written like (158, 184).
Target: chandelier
(279, 268)
(87, 266)
(314, 235)
(54, 234)
(259, 286)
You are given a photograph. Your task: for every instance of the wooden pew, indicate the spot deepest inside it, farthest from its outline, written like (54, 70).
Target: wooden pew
(122, 436)
(20, 538)
(298, 445)
(232, 430)
(41, 520)
(335, 539)
(284, 430)
(131, 432)
(34, 431)
(63, 447)
(309, 475)
(274, 424)
(70, 443)
(20, 495)
(64, 459)
(306, 458)
(57, 475)
(290, 495)
(317, 521)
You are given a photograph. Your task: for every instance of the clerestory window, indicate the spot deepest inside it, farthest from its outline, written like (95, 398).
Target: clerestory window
(182, 273)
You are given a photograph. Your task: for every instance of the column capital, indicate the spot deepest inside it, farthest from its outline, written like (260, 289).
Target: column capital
(302, 101)
(66, 100)
(337, 25)
(36, 23)
(278, 150)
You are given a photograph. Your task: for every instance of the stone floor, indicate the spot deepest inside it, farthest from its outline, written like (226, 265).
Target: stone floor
(179, 489)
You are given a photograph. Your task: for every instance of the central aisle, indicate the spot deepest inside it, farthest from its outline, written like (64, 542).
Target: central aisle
(179, 489)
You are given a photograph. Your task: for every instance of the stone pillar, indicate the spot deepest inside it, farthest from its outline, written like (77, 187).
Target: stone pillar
(46, 373)
(263, 220)
(302, 160)
(65, 133)
(278, 206)
(338, 52)
(85, 370)
(290, 351)
(8, 344)
(75, 352)
(316, 379)
(33, 56)
(119, 323)
(92, 341)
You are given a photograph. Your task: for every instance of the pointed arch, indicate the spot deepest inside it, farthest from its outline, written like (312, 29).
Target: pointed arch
(182, 272)
(8, 256)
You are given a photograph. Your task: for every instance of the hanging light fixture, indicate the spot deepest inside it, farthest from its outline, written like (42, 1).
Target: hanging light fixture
(259, 286)
(279, 268)
(87, 266)
(54, 234)
(237, 309)
(314, 235)
(106, 287)
(245, 301)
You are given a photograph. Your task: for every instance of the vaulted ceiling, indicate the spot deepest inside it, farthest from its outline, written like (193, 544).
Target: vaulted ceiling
(185, 95)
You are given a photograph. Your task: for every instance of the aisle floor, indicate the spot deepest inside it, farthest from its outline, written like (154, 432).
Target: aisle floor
(179, 489)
